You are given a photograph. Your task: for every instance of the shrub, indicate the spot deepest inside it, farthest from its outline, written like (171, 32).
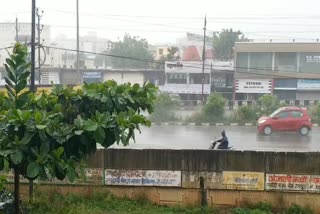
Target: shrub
(163, 108)
(315, 113)
(245, 114)
(268, 103)
(296, 209)
(214, 108)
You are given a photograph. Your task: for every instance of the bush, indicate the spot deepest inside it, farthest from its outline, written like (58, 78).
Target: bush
(213, 110)
(163, 108)
(315, 113)
(268, 103)
(296, 209)
(245, 114)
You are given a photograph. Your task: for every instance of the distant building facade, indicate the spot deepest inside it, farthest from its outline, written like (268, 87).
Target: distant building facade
(289, 70)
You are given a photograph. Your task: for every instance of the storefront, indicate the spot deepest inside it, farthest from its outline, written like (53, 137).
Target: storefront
(308, 89)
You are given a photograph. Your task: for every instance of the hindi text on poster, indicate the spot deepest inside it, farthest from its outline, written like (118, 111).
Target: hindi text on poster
(243, 180)
(285, 182)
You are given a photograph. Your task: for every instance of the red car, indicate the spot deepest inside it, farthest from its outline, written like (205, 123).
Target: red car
(286, 119)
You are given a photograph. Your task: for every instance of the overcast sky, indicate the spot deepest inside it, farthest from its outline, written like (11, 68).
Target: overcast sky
(166, 20)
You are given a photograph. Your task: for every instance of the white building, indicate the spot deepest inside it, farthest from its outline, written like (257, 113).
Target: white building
(9, 30)
(90, 43)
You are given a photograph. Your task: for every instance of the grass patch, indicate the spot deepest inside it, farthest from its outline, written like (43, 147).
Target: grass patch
(99, 203)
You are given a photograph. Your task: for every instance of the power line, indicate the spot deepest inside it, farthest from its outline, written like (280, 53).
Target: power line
(4, 48)
(190, 66)
(191, 18)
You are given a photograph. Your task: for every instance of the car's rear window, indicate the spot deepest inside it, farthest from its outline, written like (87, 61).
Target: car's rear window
(296, 114)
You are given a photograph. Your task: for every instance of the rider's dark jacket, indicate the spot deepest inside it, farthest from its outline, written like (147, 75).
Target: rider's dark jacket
(224, 143)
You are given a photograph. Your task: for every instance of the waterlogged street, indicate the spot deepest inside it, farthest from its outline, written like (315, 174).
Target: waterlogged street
(241, 138)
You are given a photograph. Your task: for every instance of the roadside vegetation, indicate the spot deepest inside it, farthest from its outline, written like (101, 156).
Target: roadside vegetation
(214, 111)
(98, 203)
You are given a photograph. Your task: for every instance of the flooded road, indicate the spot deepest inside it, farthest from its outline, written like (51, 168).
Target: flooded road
(241, 138)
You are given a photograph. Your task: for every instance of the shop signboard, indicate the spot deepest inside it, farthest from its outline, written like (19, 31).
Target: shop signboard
(255, 86)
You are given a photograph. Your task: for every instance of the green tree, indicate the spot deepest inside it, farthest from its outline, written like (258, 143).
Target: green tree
(163, 108)
(129, 49)
(214, 108)
(170, 56)
(48, 134)
(223, 43)
(268, 103)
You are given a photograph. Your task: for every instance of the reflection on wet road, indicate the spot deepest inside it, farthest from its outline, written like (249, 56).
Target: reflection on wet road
(241, 138)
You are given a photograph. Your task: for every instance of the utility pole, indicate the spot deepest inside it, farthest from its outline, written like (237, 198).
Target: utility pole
(17, 29)
(39, 41)
(33, 38)
(78, 58)
(204, 57)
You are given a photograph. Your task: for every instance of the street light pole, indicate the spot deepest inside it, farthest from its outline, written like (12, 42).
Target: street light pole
(78, 58)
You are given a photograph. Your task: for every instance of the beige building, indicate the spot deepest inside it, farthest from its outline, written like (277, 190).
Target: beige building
(289, 70)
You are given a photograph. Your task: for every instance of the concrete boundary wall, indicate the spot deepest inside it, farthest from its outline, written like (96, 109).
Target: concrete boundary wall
(230, 178)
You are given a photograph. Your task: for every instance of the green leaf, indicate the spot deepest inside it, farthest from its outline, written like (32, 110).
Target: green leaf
(11, 74)
(58, 107)
(99, 135)
(78, 132)
(90, 125)
(10, 91)
(38, 117)
(9, 82)
(24, 75)
(21, 85)
(59, 151)
(44, 148)
(112, 92)
(6, 152)
(78, 122)
(71, 174)
(41, 127)
(26, 138)
(33, 170)
(16, 157)
(38, 97)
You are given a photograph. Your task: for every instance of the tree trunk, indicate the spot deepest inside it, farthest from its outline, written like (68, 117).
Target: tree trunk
(16, 190)
(30, 190)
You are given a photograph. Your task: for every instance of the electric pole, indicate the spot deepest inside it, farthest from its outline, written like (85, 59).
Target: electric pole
(39, 28)
(17, 29)
(204, 57)
(33, 36)
(78, 58)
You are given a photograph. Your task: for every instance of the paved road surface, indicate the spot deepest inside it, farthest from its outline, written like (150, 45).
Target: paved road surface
(241, 138)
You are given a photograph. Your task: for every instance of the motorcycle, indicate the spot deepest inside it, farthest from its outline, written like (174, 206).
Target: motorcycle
(213, 145)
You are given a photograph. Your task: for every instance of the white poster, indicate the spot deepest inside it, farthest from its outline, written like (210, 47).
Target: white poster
(162, 178)
(287, 182)
(123, 177)
(143, 177)
(263, 86)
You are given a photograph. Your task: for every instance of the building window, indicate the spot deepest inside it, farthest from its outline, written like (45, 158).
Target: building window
(260, 62)
(310, 63)
(285, 62)
(177, 78)
(242, 62)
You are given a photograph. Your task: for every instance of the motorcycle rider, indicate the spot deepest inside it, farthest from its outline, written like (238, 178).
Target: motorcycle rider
(224, 143)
